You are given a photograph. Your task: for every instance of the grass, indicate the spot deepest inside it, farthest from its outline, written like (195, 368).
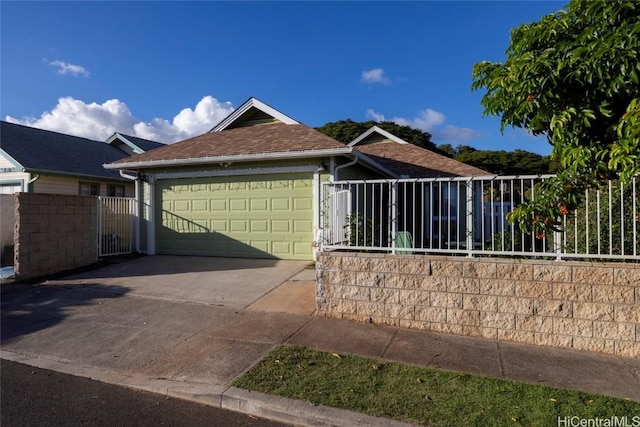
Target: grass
(421, 395)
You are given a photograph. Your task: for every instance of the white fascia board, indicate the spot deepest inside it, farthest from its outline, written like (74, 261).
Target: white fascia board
(14, 162)
(126, 142)
(236, 172)
(253, 102)
(229, 159)
(382, 132)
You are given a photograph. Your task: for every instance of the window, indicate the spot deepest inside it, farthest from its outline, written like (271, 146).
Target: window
(89, 189)
(115, 190)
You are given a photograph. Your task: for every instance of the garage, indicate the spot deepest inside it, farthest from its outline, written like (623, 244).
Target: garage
(249, 216)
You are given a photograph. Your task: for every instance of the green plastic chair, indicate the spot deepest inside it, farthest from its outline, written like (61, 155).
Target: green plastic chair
(404, 241)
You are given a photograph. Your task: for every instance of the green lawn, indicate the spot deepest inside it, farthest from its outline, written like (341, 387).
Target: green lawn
(421, 395)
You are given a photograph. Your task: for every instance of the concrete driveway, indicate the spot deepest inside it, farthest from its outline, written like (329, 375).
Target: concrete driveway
(231, 282)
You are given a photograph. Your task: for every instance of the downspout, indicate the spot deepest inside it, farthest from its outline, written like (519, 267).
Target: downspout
(346, 165)
(136, 192)
(31, 181)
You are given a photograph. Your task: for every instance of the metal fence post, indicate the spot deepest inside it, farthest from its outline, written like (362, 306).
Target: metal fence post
(469, 218)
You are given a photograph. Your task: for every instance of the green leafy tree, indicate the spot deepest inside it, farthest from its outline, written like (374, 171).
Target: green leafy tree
(518, 162)
(572, 76)
(346, 131)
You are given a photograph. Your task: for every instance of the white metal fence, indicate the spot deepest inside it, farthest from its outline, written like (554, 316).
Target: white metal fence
(465, 215)
(116, 222)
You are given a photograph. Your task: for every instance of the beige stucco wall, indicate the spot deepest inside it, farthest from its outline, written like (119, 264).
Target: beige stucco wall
(54, 233)
(575, 305)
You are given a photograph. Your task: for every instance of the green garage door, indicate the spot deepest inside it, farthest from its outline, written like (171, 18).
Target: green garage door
(255, 216)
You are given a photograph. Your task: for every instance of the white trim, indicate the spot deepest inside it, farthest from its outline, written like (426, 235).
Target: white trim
(10, 159)
(378, 130)
(316, 209)
(236, 172)
(125, 141)
(230, 159)
(253, 102)
(151, 217)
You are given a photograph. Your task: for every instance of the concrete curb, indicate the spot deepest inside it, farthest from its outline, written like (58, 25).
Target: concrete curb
(298, 412)
(276, 408)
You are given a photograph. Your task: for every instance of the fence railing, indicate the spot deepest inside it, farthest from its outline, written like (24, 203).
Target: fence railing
(465, 215)
(116, 225)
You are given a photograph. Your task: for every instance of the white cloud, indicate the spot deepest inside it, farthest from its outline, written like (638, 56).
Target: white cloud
(99, 121)
(66, 68)
(375, 75)
(371, 114)
(432, 121)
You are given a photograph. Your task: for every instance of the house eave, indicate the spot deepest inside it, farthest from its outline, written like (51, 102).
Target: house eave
(73, 175)
(229, 159)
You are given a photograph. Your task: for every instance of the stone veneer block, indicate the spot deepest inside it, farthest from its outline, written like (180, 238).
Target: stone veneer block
(626, 276)
(551, 273)
(573, 327)
(446, 300)
(497, 287)
(593, 275)
(480, 302)
(533, 289)
(593, 311)
(516, 305)
(627, 313)
(617, 331)
(572, 292)
(515, 271)
(534, 323)
(524, 337)
(480, 269)
(413, 297)
(619, 294)
(594, 344)
(628, 349)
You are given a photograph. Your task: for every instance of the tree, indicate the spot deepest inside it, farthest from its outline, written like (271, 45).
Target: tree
(346, 131)
(572, 76)
(518, 162)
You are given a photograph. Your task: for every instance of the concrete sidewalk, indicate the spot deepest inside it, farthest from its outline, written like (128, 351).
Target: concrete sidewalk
(194, 351)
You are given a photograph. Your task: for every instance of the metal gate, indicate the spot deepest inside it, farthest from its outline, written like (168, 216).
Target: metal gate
(116, 225)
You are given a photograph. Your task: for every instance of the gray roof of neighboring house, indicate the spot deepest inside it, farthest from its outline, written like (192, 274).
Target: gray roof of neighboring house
(44, 151)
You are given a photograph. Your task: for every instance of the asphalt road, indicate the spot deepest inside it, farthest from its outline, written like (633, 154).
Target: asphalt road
(36, 397)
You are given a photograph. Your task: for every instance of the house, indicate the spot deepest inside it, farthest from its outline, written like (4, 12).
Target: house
(251, 186)
(41, 161)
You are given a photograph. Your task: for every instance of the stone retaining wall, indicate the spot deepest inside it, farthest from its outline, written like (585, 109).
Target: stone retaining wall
(566, 304)
(54, 233)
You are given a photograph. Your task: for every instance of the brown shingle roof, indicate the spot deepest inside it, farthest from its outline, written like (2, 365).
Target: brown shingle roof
(416, 162)
(251, 140)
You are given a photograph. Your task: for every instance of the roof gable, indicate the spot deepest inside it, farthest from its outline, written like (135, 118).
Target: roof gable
(375, 134)
(253, 112)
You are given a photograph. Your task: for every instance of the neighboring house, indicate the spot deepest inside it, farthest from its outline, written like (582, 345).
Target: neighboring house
(251, 186)
(41, 161)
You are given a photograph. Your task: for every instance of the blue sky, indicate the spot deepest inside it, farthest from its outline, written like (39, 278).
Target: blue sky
(171, 70)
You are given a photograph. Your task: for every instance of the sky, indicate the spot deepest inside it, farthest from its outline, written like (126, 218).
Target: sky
(167, 71)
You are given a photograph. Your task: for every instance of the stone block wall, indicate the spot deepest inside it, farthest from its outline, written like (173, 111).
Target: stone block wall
(54, 233)
(565, 304)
